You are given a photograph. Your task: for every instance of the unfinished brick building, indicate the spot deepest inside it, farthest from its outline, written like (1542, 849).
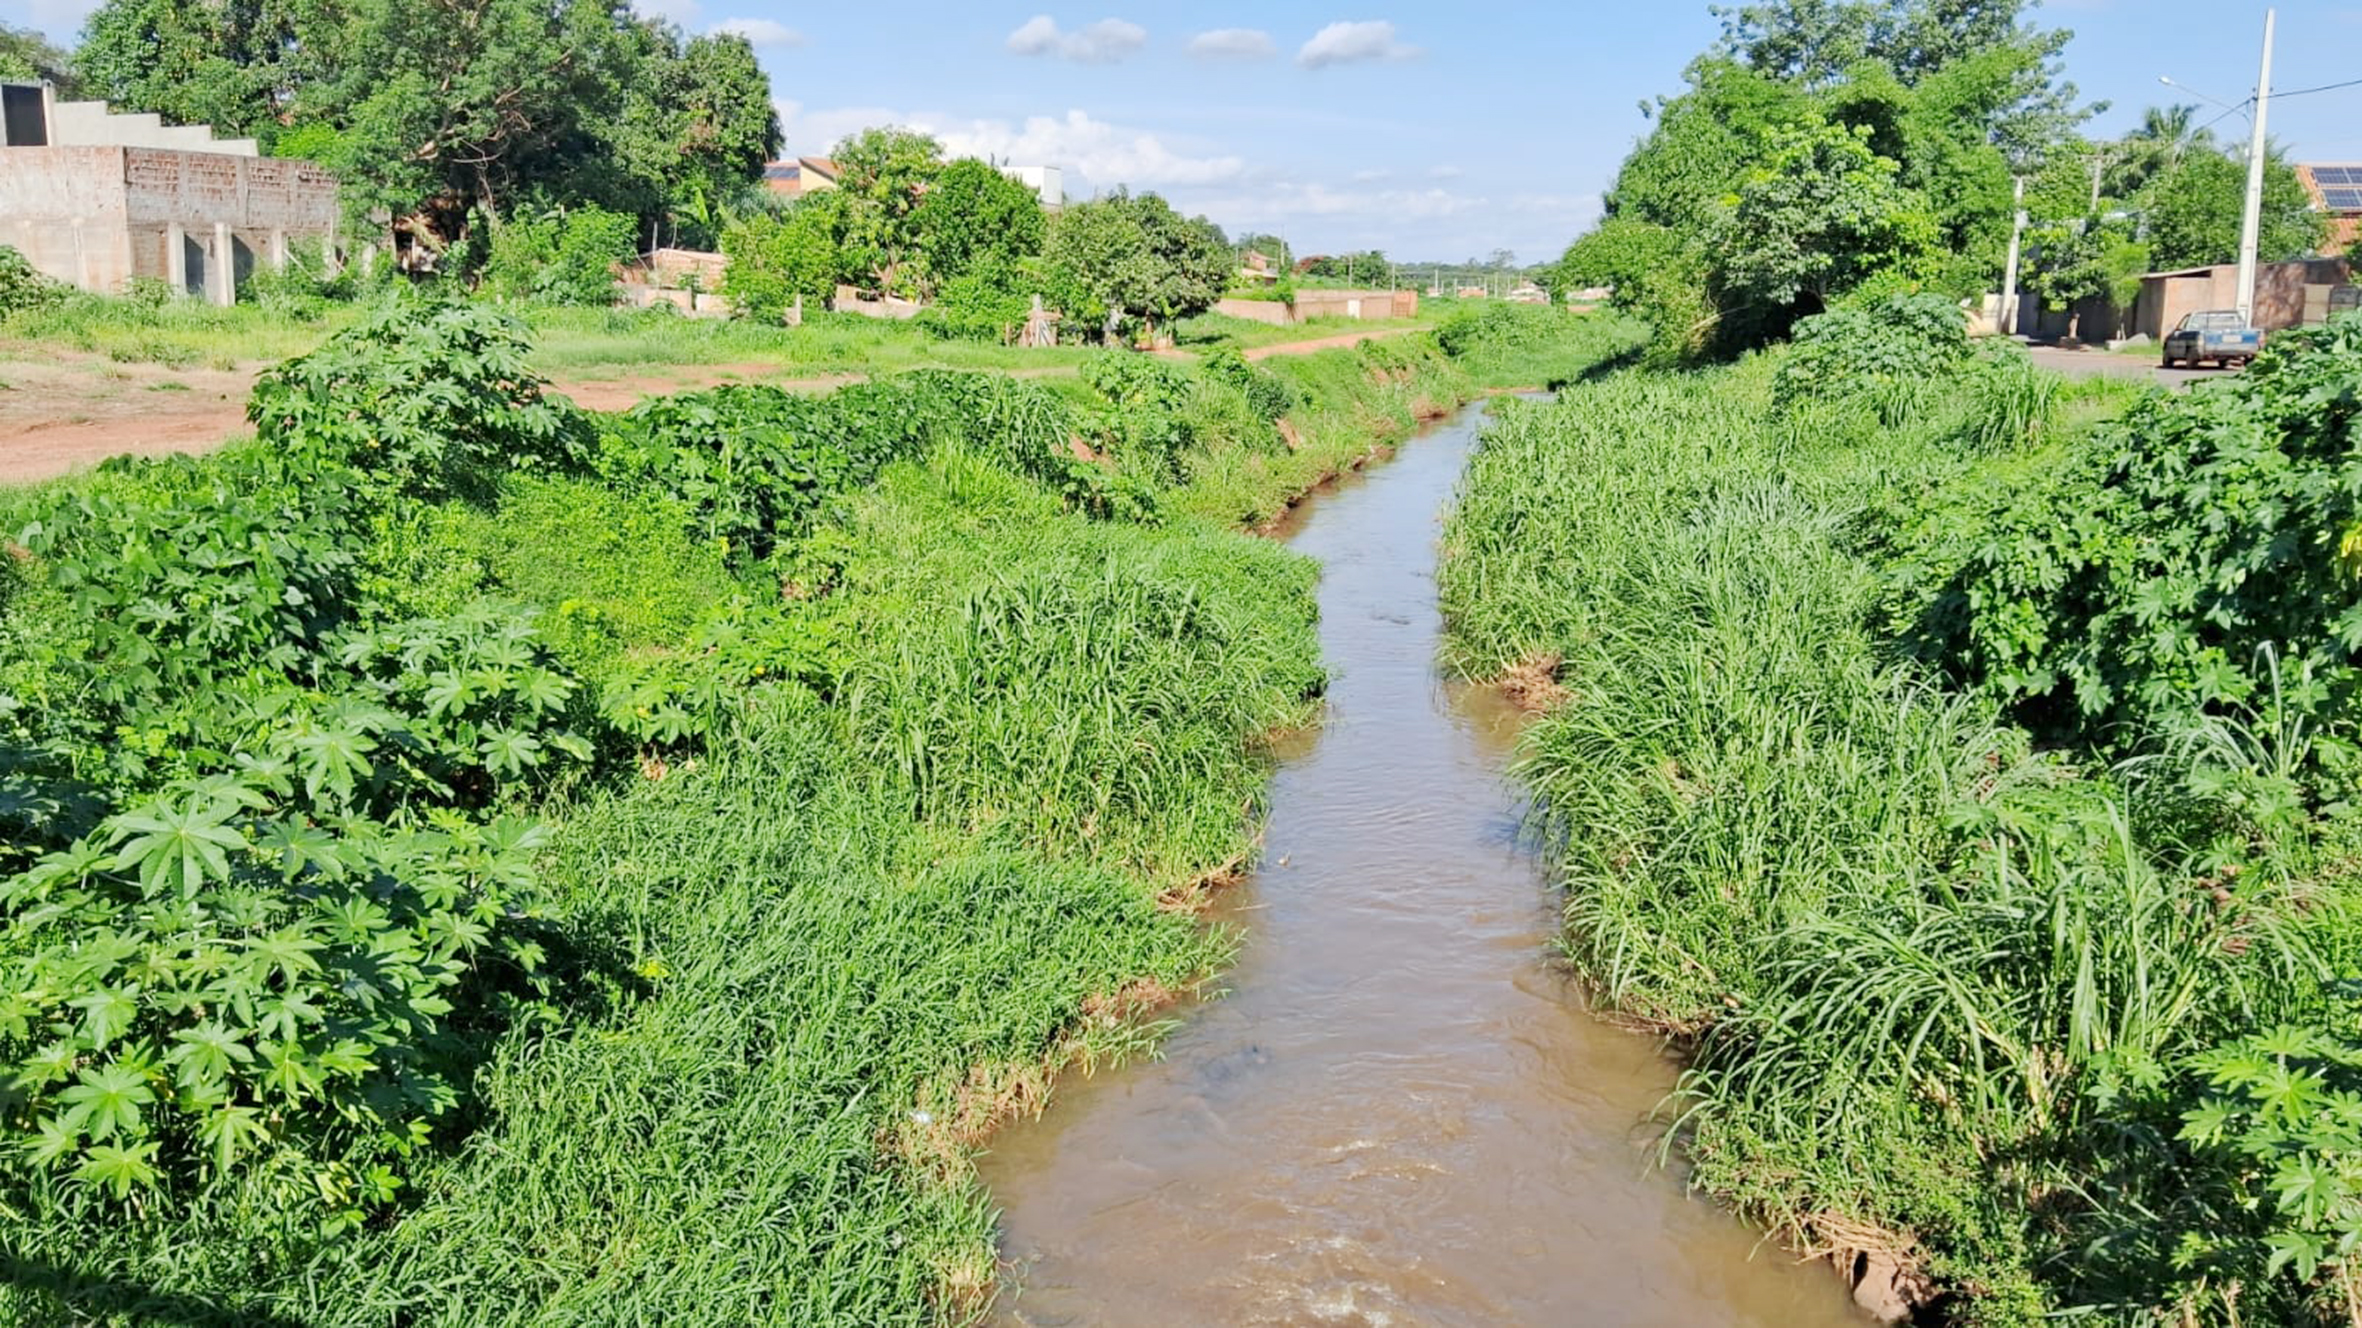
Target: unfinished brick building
(96, 199)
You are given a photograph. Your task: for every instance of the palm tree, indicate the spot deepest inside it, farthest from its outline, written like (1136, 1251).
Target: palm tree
(2166, 134)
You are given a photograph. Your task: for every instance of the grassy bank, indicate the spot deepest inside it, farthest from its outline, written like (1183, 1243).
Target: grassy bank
(1933, 760)
(471, 861)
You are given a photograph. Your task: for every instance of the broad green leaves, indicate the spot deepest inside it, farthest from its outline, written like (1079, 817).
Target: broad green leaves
(287, 1006)
(2184, 564)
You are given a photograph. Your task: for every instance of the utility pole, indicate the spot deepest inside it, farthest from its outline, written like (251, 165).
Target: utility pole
(2009, 274)
(2251, 224)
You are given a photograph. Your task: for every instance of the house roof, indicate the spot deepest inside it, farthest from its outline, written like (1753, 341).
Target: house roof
(2334, 187)
(824, 167)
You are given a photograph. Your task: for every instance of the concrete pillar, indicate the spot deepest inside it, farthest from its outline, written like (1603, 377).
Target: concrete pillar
(176, 257)
(221, 267)
(278, 249)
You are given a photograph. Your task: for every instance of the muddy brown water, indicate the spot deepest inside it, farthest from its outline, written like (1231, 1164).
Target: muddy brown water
(1400, 1113)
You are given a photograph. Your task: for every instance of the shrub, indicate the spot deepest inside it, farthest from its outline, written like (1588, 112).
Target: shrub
(748, 464)
(560, 258)
(1270, 395)
(1879, 352)
(773, 259)
(2194, 558)
(24, 287)
(207, 993)
(990, 302)
(1146, 422)
(424, 397)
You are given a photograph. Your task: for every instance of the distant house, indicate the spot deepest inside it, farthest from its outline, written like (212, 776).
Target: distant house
(2292, 294)
(796, 176)
(1255, 265)
(1526, 292)
(2337, 191)
(97, 198)
(1048, 183)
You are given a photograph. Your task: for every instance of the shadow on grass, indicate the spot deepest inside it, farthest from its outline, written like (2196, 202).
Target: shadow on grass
(78, 1295)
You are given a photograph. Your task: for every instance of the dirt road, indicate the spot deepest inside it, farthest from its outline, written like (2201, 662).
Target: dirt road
(75, 410)
(2097, 363)
(70, 410)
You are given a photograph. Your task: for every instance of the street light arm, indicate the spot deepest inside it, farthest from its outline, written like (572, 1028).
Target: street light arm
(2241, 108)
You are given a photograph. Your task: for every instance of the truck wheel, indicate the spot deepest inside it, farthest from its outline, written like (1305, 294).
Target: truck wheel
(2169, 361)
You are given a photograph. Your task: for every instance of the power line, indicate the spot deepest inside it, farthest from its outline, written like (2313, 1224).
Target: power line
(2326, 87)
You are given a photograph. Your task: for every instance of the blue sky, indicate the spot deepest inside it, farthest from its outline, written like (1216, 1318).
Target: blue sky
(1431, 130)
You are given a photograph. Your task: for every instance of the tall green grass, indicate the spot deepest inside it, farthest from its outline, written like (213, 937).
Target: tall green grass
(1907, 950)
(801, 958)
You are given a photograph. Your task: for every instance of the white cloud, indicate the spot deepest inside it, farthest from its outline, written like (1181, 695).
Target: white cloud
(760, 31)
(1101, 43)
(1098, 151)
(1352, 43)
(1085, 147)
(1232, 44)
(683, 12)
(1447, 172)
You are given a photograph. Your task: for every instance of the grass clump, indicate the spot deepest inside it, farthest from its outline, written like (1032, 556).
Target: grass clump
(1980, 999)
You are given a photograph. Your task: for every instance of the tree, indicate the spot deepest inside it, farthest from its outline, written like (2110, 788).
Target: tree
(1270, 246)
(481, 100)
(1816, 43)
(1130, 255)
(431, 109)
(1821, 215)
(774, 259)
(2193, 212)
(191, 61)
(972, 215)
(1703, 143)
(884, 176)
(28, 56)
(697, 125)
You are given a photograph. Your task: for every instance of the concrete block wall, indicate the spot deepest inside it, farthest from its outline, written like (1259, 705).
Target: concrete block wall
(99, 216)
(1325, 304)
(91, 124)
(63, 209)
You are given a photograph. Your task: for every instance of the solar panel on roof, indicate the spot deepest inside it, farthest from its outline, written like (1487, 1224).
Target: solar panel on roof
(2343, 200)
(2336, 175)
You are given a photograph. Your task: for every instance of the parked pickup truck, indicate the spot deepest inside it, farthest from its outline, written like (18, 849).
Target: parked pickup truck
(2220, 335)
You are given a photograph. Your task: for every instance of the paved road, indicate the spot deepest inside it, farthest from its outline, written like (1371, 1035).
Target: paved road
(2091, 363)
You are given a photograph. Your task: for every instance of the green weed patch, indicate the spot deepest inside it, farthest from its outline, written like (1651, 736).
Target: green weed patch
(2003, 1006)
(474, 861)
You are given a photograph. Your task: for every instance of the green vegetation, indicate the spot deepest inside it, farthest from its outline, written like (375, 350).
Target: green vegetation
(1959, 763)
(1525, 345)
(23, 289)
(1826, 153)
(454, 123)
(472, 860)
(977, 247)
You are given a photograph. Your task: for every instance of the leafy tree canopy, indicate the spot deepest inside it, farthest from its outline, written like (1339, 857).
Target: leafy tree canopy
(972, 214)
(28, 56)
(486, 104)
(1130, 255)
(885, 175)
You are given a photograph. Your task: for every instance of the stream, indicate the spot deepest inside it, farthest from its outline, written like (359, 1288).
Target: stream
(1401, 1112)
